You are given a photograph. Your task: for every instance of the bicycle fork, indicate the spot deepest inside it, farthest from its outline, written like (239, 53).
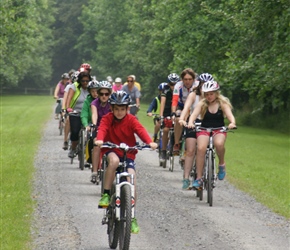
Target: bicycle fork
(119, 185)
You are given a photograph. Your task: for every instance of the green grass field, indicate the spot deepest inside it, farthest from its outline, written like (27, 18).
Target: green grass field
(22, 120)
(257, 163)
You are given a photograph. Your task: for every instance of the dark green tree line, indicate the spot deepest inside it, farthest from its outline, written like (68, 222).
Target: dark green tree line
(244, 44)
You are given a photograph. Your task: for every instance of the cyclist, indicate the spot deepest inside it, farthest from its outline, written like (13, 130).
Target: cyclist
(190, 135)
(180, 93)
(212, 109)
(86, 113)
(165, 111)
(137, 84)
(59, 93)
(75, 100)
(85, 67)
(134, 93)
(110, 80)
(100, 107)
(120, 127)
(155, 106)
(117, 85)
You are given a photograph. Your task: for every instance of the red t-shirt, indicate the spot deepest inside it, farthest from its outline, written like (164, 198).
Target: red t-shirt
(123, 131)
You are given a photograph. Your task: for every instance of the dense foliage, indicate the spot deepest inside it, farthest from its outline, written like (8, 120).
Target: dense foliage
(244, 44)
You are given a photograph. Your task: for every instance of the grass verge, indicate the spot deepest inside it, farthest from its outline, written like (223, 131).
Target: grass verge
(22, 120)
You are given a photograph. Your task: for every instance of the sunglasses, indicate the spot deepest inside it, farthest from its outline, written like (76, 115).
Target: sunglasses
(84, 80)
(129, 81)
(104, 94)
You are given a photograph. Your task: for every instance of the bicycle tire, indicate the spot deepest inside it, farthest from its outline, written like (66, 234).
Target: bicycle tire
(81, 151)
(126, 218)
(104, 166)
(170, 154)
(113, 226)
(60, 127)
(209, 183)
(171, 163)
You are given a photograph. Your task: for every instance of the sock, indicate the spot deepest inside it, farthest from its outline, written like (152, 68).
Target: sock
(106, 191)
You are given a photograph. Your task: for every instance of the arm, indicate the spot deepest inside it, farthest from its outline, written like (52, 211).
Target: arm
(195, 114)
(229, 115)
(174, 103)
(85, 114)
(70, 95)
(162, 105)
(152, 106)
(56, 91)
(189, 101)
(94, 114)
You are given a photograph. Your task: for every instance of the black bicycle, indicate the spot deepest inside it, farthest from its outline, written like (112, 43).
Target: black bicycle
(169, 149)
(209, 170)
(120, 212)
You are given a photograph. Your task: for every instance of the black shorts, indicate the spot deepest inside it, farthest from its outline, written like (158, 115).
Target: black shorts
(190, 133)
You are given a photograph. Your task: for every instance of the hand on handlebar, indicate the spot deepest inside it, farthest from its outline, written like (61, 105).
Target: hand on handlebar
(232, 126)
(190, 125)
(153, 145)
(98, 143)
(182, 123)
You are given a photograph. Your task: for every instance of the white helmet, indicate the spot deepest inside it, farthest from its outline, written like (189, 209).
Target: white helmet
(210, 86)
(118, 79)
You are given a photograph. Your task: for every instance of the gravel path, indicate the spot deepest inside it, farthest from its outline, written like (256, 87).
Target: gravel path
(67, 216)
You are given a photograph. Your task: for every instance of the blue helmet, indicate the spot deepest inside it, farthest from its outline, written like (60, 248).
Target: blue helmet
(120, 98)
(162, 86)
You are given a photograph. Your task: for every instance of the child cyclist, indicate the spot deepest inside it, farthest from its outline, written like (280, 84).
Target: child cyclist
(155, 106)
(100, 107)
(86, 114)
(120, 127)
(212, 109)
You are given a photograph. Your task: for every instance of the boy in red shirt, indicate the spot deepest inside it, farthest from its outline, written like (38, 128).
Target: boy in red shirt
(120, 127)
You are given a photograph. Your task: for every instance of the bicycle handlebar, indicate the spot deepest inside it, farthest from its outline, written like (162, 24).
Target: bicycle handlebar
(221, 129)
(124, 146)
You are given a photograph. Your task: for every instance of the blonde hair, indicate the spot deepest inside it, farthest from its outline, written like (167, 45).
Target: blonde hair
(219, 98)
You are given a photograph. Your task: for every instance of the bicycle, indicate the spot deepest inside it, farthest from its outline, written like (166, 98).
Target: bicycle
(61, 123)
(169, 148)
(209, 170)
(120, 212)
(73, 113)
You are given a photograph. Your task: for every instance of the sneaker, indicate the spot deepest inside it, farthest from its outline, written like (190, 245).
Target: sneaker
(176, 149)
(104, 201)
(65, 145)
(71, 154)
(185, 184)
(197, 183)
(163, 156)
(56, 117)
(222, 172)
(134, 226)
(94, 177)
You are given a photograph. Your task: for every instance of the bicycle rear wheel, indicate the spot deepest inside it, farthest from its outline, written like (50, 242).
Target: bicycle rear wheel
(209, 183)
(126, 218)
(81, 151)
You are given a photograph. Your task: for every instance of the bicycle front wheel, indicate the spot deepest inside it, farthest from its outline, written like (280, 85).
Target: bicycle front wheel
(210, 179)
(81, 152)
(126, 217)
(113, 226)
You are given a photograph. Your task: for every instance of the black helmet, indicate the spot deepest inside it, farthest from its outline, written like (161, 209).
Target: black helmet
(120, 98)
